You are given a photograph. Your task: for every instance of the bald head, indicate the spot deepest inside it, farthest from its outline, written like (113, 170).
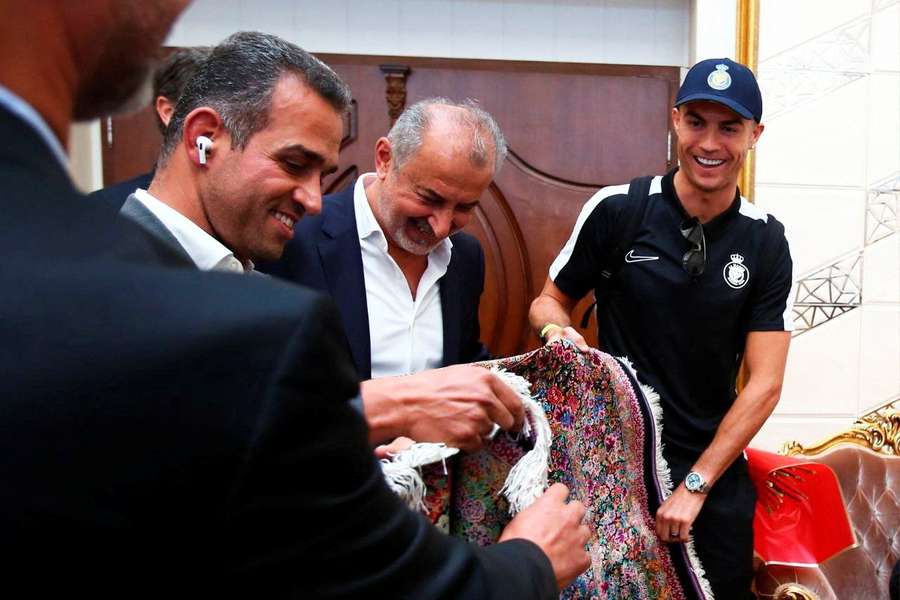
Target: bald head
(463, 127)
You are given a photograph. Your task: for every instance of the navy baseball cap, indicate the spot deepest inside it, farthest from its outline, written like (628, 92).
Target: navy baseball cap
(724, 81)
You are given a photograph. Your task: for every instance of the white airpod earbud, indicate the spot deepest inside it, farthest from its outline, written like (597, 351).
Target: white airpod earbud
(203, 144)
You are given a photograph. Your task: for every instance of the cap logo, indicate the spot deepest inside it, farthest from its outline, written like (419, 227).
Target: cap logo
(719, 79)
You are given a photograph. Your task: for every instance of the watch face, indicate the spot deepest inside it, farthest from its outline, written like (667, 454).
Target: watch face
(693, 482)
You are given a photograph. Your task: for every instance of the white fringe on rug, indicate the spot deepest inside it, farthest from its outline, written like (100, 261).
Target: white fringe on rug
(664, 474)
(526, 481)
(401, 471)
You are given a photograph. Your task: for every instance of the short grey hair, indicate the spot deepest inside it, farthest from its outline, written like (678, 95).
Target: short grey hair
(238, 79)
(407, 133)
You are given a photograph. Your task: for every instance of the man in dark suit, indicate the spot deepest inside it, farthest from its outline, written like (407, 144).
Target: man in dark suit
(389, 250)
(172, 433)
(169, 79)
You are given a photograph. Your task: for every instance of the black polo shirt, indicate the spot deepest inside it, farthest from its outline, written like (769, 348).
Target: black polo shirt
(685, 335)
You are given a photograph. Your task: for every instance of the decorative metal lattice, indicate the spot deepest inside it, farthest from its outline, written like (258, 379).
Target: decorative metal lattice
(827, 293)
(816, 66)
(882, 209)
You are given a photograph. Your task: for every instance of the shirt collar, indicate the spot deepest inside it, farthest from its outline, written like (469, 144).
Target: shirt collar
(19, 107)
(714, 224)
(207, 252)
(367, 225)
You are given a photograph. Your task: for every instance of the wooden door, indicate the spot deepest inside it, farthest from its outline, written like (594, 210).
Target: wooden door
(571, 128)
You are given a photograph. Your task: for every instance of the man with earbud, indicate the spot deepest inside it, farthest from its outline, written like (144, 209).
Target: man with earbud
(240, 166)
(169, 79)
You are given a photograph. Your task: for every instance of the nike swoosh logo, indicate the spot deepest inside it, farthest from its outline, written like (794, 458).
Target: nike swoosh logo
(632, 258)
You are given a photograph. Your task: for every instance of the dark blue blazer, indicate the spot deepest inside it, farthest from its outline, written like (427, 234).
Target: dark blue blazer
(325, 255)
(165, 432)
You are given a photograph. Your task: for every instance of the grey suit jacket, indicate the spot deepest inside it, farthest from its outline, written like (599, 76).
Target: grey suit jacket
(169, 251)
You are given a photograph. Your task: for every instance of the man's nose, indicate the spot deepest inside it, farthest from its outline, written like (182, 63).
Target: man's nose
(441, 223)
(710, 140)
(308, 194)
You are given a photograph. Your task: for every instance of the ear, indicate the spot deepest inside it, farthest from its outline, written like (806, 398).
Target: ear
(676, 118)
(384, 157)
(757, 131)
(204, 121)
(164, 108)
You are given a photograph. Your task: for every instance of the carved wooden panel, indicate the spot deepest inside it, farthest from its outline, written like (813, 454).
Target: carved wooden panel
(130, 145)
(572, 128)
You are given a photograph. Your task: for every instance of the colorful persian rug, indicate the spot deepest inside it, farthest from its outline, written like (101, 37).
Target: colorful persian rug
(605, 448)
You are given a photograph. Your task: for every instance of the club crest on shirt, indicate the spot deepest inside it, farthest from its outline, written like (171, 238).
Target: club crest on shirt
(736, 273)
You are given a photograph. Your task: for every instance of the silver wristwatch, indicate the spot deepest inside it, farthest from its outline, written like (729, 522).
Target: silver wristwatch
(695, 483)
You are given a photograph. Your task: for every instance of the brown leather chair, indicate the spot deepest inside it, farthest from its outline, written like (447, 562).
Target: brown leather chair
(866, 460)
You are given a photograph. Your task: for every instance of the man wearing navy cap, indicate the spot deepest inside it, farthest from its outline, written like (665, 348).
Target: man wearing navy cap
(696, 278)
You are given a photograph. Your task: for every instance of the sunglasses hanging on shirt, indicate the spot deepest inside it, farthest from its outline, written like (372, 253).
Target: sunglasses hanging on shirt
(694, 260)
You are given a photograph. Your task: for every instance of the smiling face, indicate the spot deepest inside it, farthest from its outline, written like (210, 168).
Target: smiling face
(433, 194)
(713, 142)
(253, 197)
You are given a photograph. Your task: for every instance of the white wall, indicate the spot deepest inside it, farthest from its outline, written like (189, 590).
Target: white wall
(828, 166)
(646, 32)
(713, 30)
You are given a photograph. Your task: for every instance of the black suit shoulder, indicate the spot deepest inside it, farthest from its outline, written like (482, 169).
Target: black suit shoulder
(467, 253)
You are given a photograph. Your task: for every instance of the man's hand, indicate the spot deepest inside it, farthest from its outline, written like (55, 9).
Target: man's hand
(396, 447)
(456, 405)
(677, 514)
(550, 313)
(556, 528)
(568, 333)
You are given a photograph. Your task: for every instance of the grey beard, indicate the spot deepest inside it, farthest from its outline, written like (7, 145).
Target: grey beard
(410, 245)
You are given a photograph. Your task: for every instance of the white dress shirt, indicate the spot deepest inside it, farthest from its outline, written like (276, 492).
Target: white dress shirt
(207, 252)
(406, 334)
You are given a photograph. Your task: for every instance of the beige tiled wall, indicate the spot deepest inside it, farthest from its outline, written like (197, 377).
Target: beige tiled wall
(828, 166)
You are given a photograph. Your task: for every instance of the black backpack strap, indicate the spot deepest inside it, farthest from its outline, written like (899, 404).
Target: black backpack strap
(625, 229)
